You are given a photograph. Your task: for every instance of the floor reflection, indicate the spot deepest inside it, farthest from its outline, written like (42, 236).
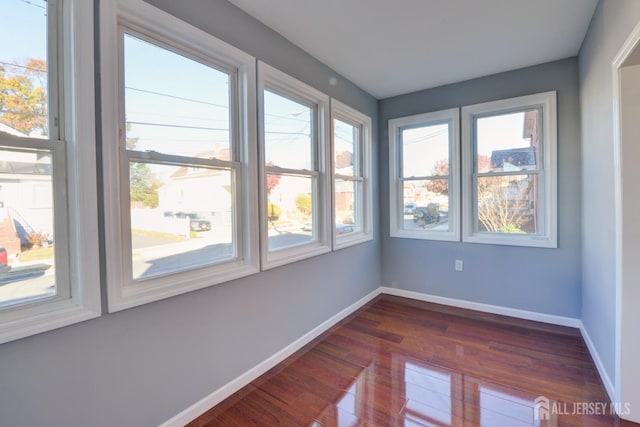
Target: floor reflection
(400, 365)
(424, 394)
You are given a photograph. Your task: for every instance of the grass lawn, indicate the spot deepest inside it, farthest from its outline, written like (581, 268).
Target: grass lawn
(35, 254)
(159, 235)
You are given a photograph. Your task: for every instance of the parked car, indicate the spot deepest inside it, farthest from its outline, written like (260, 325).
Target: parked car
(344, 229)
(196, 222)
(409, 208)
(4, 261)
(427, 215)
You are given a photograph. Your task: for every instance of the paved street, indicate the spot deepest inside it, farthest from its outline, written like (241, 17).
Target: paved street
(443, 225)
(152, 256)
(27, 282)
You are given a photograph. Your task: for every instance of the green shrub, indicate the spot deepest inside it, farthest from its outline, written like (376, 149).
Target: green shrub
(273, 211)
(511, 228)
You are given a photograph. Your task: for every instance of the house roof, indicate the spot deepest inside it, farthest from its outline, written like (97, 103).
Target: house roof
(11, 131)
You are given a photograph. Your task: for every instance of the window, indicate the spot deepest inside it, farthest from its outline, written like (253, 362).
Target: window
(509, 163)
(293, 132)
(351, 171)
(181, 217)
(509, 194)
(48, 218)
(424, 177)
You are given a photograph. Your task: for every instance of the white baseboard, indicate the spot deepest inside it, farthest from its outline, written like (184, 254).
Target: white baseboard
(487, 308)
(236, 384)
(606, 380)
(521, 314)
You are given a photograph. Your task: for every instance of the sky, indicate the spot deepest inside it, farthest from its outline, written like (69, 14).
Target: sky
(26, 29)
(423, 146)
(179, 106)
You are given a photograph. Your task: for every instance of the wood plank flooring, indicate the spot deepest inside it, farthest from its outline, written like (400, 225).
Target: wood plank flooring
(399, 362)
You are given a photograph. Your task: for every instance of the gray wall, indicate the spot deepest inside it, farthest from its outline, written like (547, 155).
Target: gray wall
(611, 25)
(540, 280)
(144, 365)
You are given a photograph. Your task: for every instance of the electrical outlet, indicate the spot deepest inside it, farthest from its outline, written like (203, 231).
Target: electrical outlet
(459, 265)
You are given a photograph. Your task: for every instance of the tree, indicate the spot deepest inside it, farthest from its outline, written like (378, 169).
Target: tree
(303, 203)
(273, 211)
(23, 96)
(502, 202)
(439, 186)
(143, 185)
(272, 180)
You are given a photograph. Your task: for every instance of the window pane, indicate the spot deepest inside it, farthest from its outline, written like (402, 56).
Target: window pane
(347, 196)
(429, 396)
(181, 218)
(345, 148)
(507, 142)
(23, 68)
(425, 151)
(287, 132)
(508, 204)
(426, 205)
(290, 211)
(27, 267)
(174, 105)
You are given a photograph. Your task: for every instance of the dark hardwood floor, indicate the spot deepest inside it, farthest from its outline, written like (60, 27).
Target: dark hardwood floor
(400, 362)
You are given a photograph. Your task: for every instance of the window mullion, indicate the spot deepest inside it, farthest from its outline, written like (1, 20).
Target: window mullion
(510, 173)
(275, 170)
(55, 68)
(349, 177)
(155, 157)
(424, 178)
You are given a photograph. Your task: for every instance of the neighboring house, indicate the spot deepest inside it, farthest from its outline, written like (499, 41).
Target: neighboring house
(344, 190)
(11, 131)
(195, 189)
(26, 197)
(9, 239)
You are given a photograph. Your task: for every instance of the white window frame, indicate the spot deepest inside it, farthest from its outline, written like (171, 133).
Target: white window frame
(361, 176)
(72, 112)
(547, 170)
(396, 180)
(187, 40)
(274, 80)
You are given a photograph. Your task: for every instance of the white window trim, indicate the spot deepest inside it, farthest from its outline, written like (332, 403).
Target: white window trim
(396, 213)
(549, 237)
(271, 78)
(164, 27)
(77, 130)
(364, 209)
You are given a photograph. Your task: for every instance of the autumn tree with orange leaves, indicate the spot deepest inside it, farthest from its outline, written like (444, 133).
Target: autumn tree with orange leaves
(502, 204)
(23, 96)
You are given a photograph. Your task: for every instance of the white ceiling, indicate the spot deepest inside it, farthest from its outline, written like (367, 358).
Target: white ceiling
(391, 47)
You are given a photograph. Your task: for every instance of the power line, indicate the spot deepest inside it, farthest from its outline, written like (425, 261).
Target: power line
(23, 66)
(177, 126)
(33, 4)
(176, 97)
(287, 133)
(425, 137)
(151, 92)
(286, 118)
(21, 113)
(176, 116)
